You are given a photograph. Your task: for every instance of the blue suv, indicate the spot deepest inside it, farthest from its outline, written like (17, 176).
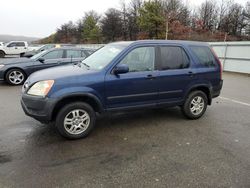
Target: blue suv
(124, 76)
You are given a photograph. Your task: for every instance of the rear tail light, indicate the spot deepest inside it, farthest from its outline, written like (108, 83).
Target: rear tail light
(218, 61)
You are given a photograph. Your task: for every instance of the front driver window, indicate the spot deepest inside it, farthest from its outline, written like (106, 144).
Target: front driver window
(56, 54)
(13, 44)
(140, 59)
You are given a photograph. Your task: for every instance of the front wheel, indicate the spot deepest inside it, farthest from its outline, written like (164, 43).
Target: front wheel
(15, 77)
(195, 105)
(75, 120)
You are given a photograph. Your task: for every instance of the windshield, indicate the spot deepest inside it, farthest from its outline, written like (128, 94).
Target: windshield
(38, 55)
(102, 57)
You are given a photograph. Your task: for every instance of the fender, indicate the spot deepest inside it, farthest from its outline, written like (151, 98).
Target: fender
(78, 92)
(16, 67)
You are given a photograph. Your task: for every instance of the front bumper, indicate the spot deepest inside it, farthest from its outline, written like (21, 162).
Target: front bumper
(1, 75)
(38, 108)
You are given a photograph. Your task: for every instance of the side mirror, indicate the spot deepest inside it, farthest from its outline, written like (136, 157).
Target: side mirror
(41, 60)
(121, 69)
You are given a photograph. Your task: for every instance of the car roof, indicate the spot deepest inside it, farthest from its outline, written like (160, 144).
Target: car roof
(181, 42)
(68, 48)
(17, 41)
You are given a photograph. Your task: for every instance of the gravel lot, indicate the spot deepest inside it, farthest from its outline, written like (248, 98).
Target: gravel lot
(151, 148)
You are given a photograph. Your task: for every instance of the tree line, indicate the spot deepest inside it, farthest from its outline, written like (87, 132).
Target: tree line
(159, 19)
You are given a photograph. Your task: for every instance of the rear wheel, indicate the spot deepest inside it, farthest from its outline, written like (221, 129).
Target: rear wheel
(195, 105)
(2, 54)
(22, 54)
(15, 77)
(75, 120)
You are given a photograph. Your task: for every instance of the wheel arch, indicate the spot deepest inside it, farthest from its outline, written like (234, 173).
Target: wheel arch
(204, 88)
(90, 99)
(8, 69)
(3, 52)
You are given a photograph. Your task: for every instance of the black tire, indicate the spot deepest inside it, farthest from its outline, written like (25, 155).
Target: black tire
(22, 54)
(2, 54)
(68, 109)
(188, 105)
(20, 72)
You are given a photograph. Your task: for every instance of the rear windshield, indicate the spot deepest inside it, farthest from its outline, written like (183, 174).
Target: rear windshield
(204, 55)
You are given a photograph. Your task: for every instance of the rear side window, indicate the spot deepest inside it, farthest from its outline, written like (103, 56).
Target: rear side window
(73, 54)
(56, 54)
(173, 57)
(20, 44)
(204, 55)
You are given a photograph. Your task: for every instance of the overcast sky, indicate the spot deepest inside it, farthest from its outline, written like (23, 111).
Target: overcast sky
(41, 18)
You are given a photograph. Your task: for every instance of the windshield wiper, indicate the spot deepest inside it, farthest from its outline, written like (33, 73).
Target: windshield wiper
(86, 65)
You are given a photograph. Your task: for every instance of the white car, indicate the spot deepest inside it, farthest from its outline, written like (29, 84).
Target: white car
(14, 48)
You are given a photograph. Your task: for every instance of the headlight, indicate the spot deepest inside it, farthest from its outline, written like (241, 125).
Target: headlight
(1, 66)
(41, 88)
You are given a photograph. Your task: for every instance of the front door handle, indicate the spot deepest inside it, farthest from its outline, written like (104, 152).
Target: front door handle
(191, 73)
(150, 77)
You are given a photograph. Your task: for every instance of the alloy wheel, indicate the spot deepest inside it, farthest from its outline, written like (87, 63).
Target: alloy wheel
(16, 77)
(197, 105)
(76, 121)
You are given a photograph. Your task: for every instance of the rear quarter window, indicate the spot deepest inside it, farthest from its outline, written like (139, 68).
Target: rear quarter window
(20, 44)
(73, 54)
(204, 55)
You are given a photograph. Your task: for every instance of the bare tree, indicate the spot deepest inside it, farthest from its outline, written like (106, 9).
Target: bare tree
(133, 15)
(112, 25)
(247, 17)
(207, 13)
(234, 22)
(223, 10)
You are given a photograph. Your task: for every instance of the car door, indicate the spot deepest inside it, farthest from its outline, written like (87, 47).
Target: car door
(11, 48)
(137, 87)
(51, 59)
(175, 73)
(20, 47)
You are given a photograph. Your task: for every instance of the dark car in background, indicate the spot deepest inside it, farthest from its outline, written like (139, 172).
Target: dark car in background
(15, 71)
(42, 48)
(45, 47)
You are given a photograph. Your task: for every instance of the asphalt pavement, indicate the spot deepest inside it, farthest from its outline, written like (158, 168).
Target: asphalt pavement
(149, 148)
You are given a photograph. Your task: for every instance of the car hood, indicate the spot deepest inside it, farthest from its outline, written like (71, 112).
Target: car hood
(12, 61)
(58, 73)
